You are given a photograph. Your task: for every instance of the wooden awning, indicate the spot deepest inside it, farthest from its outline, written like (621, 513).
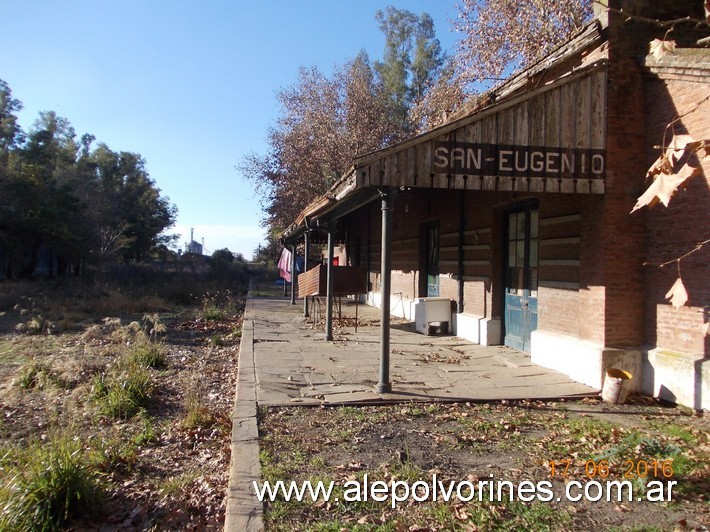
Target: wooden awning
(542, 131)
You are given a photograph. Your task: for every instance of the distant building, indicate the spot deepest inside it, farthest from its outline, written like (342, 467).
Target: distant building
(192, 246)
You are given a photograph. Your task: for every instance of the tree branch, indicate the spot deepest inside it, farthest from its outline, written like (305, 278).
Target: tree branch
(659, 23)
(698, 247)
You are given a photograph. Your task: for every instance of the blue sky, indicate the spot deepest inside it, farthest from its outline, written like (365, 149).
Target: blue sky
(190, 85)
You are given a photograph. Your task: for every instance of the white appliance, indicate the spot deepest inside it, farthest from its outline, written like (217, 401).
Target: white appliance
(431, 313)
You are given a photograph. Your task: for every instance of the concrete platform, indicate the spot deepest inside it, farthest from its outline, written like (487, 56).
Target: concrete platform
(295, 365)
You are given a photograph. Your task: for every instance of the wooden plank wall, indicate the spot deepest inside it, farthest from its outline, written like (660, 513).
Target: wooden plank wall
(571, 115)
(347, 280)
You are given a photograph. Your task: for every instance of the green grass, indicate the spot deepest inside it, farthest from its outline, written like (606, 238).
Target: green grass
(216, 340)
(148, 354)
(113, 454)
(673, 430)
(174, 486)
(124, 391)
(46, 484)
(33, 375)
(147, 435)
(196, 413)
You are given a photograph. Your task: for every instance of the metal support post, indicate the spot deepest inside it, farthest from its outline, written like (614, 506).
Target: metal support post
(329, 290)
(306, 242)
(293, 274)
(462, 241)
(384, 385)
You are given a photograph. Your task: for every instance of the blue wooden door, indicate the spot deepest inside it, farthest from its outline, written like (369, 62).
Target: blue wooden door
(521, 277)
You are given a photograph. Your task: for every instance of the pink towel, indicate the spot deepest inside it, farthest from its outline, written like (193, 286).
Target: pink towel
(285, 265)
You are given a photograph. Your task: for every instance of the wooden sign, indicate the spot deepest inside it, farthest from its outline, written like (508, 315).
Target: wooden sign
(509, 160)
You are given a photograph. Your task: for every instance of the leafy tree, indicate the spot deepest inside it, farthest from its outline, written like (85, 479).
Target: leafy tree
(325, 122)
(368, 124)
(443, 98)
(41, 208)
(61, 196)
(50, 150)
(411, 61)
(10, 132)
(270, 251)
(9, 135)
(145, 212)
(221, 261)
(124, 205)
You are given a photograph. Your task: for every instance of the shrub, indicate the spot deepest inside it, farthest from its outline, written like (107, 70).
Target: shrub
(33, 375)
(124, 391)
(147, 354)
(46, 485)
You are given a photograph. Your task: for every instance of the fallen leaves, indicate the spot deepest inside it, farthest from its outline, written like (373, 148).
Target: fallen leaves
(175, 478)
(472, 443)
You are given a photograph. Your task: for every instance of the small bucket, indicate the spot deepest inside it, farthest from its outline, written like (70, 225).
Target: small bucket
(616, 386)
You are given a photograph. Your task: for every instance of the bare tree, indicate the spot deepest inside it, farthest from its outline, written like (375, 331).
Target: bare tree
(324, 123)
(503, 35)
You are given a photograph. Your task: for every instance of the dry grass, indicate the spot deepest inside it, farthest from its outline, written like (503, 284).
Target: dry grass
(113, 379)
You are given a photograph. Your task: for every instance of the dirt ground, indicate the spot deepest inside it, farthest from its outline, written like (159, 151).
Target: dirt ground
(506, 441)
(163, 475)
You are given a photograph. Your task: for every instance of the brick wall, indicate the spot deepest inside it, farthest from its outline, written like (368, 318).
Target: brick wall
(621, 236)
(592, 291)
(675, 230)
(559, 264)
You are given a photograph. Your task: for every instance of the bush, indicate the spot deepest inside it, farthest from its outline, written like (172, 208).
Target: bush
(46, 485)
(148, 355)
(34, 375)
(124, 391)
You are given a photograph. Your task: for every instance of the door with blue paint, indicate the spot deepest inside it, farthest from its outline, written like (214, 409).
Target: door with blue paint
(521, 276)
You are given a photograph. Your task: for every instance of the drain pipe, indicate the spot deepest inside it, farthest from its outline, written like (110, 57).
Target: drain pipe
(384, 385)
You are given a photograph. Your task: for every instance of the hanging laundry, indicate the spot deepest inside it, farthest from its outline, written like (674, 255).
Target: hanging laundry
(285, 265)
